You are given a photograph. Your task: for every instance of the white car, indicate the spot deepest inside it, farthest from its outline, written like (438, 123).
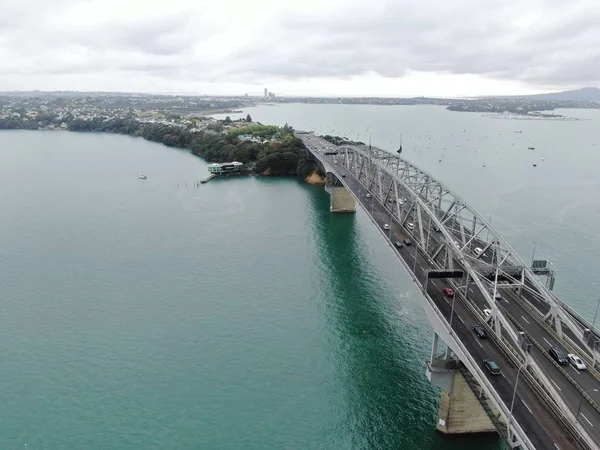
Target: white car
(335, 161)
(576, 361)
(410, 226)
(386, 226)
(369, 195)
(478, 251)
(487, 314)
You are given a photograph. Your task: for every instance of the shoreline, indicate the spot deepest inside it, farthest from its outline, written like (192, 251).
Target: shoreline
(313, 178)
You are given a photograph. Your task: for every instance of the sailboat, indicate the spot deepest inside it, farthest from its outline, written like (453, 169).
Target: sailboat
(400, 149)
(143, 177)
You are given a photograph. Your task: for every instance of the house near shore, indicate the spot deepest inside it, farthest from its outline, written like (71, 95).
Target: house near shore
(225, 168)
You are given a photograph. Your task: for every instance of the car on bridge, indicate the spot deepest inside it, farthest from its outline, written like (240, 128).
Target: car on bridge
(491, 367)
(558, 356)
(407, 241)
(448, 292)
(398, 244)
(487, 313)
(436, 228)
(477, 251)
(386, 226)
(369, 196)
(576, 361)
(479, 331)
(410, 226)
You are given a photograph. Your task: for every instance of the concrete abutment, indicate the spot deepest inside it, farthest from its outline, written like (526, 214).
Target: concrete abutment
(460, 411)
(342, 201)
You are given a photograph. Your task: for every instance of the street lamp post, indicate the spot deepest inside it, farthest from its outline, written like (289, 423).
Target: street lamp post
(512, 404)
(581, 401)
(452, 312)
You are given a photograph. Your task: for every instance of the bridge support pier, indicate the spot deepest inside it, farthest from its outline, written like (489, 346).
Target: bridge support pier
(460, 410)
(341, 200)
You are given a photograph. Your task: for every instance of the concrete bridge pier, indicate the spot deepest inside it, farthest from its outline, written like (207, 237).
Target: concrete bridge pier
(341, 200)
(461, 411)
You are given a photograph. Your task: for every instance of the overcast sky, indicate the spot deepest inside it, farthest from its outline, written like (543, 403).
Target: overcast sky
(304, 47)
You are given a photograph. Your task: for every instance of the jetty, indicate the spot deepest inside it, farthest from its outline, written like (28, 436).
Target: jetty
(208, 178)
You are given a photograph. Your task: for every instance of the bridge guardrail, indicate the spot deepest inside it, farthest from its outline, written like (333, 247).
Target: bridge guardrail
(558, 366)
(571, 346)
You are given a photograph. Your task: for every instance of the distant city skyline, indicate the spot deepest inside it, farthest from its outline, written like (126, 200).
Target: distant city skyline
(313, 48)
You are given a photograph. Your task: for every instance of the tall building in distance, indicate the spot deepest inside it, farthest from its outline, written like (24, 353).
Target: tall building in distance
(266, 93)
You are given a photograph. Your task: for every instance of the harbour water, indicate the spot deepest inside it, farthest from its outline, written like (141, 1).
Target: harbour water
(240, 313)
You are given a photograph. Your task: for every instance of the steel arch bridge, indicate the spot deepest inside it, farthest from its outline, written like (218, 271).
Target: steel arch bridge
(418, 198)
(451, 236)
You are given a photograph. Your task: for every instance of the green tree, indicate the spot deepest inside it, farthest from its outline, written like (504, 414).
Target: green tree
(248, 118)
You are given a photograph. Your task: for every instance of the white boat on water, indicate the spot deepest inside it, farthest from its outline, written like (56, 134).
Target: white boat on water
(143, 177)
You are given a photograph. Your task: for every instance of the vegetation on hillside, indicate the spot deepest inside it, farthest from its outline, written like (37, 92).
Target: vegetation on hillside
(257, 130)
(282, 154)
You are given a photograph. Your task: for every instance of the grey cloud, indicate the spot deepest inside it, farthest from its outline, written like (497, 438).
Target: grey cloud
(387, 37)
(459, 37)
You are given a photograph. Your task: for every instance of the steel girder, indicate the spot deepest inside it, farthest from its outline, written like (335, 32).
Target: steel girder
(393, 179)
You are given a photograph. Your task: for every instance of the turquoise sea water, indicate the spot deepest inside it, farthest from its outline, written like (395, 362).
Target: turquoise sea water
(144, 314)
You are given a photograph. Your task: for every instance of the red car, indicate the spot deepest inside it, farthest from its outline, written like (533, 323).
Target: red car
(448, 292)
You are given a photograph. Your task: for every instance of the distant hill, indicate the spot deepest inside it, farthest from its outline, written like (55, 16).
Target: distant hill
(587, 94)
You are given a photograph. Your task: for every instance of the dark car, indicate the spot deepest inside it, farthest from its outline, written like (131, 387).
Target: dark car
(407, 241)
(479, 331)
(343, 175)
(491, 366)
(398, 244)
(558, 356)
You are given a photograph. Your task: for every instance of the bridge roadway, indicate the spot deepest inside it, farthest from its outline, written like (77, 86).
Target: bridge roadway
(530, 411)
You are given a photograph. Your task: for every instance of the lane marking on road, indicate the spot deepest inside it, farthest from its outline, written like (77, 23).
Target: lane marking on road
(527, 407)
(588, 421)
(576, 371)
(556, 446)
(549, 343)
(460, 318)
(523, 317)
(478, 343)
(470, 289)
(555, 384)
